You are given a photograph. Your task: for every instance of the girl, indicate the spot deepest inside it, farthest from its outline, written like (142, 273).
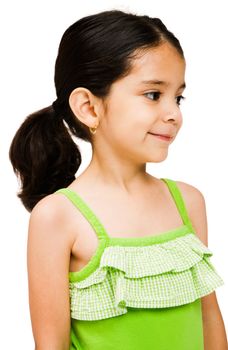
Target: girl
(117, 258)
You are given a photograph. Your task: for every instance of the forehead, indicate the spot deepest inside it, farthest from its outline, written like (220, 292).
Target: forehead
(161, 63)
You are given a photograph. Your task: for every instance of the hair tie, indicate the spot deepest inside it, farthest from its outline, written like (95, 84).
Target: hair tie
(56, 108)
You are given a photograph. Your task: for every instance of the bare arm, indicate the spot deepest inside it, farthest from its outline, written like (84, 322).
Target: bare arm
(213, 325)
(48, 255)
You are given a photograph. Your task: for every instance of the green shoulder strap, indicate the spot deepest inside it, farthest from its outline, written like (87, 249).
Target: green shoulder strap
(85, 210)
(178, 198)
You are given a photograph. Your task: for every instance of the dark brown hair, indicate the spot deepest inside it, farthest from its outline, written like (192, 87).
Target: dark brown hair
(94, 52)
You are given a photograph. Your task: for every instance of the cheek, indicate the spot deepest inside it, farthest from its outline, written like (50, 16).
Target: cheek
(126, 130)
(130, 118)
(180, 120)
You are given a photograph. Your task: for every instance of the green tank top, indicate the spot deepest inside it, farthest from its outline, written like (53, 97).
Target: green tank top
(141, 292)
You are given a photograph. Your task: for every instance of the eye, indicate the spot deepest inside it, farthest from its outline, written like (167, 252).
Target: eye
(179, 98)
(155, 94)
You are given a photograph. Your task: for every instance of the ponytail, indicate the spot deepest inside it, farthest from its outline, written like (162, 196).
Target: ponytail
(94, 52)
(44, 156)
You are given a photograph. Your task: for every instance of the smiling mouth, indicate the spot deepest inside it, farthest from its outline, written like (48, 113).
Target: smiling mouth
(162, 137)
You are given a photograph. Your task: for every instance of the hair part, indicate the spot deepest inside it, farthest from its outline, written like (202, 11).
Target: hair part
(94, 52)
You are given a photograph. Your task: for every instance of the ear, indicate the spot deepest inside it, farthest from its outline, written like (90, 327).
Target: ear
(85, 106)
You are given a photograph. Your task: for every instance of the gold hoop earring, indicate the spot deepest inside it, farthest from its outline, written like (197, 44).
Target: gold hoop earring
(93, 130)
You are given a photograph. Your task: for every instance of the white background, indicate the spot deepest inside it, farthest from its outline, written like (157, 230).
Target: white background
(30, 34)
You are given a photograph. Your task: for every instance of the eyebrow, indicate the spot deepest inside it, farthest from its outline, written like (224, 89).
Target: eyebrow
(160, 82)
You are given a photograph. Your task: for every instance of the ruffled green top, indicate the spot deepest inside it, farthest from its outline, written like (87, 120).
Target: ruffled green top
(157, 271)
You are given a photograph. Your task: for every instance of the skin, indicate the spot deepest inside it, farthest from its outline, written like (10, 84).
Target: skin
(121, 146)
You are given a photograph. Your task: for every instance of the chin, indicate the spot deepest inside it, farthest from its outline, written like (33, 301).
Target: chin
(158, 158)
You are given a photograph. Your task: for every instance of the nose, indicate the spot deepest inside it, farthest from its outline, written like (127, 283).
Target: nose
(174, 116)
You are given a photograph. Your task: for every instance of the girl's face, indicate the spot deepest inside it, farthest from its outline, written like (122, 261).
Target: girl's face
(143, 103)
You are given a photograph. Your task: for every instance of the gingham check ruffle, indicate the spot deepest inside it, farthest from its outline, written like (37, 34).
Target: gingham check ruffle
(166, 274)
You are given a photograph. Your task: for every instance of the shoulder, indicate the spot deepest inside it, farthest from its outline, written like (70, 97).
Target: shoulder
(51, 217)
(48, 254)
(196, 207)
(50, 209)
(191, 194)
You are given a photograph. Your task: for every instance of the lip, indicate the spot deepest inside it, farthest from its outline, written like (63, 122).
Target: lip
(163, 137)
